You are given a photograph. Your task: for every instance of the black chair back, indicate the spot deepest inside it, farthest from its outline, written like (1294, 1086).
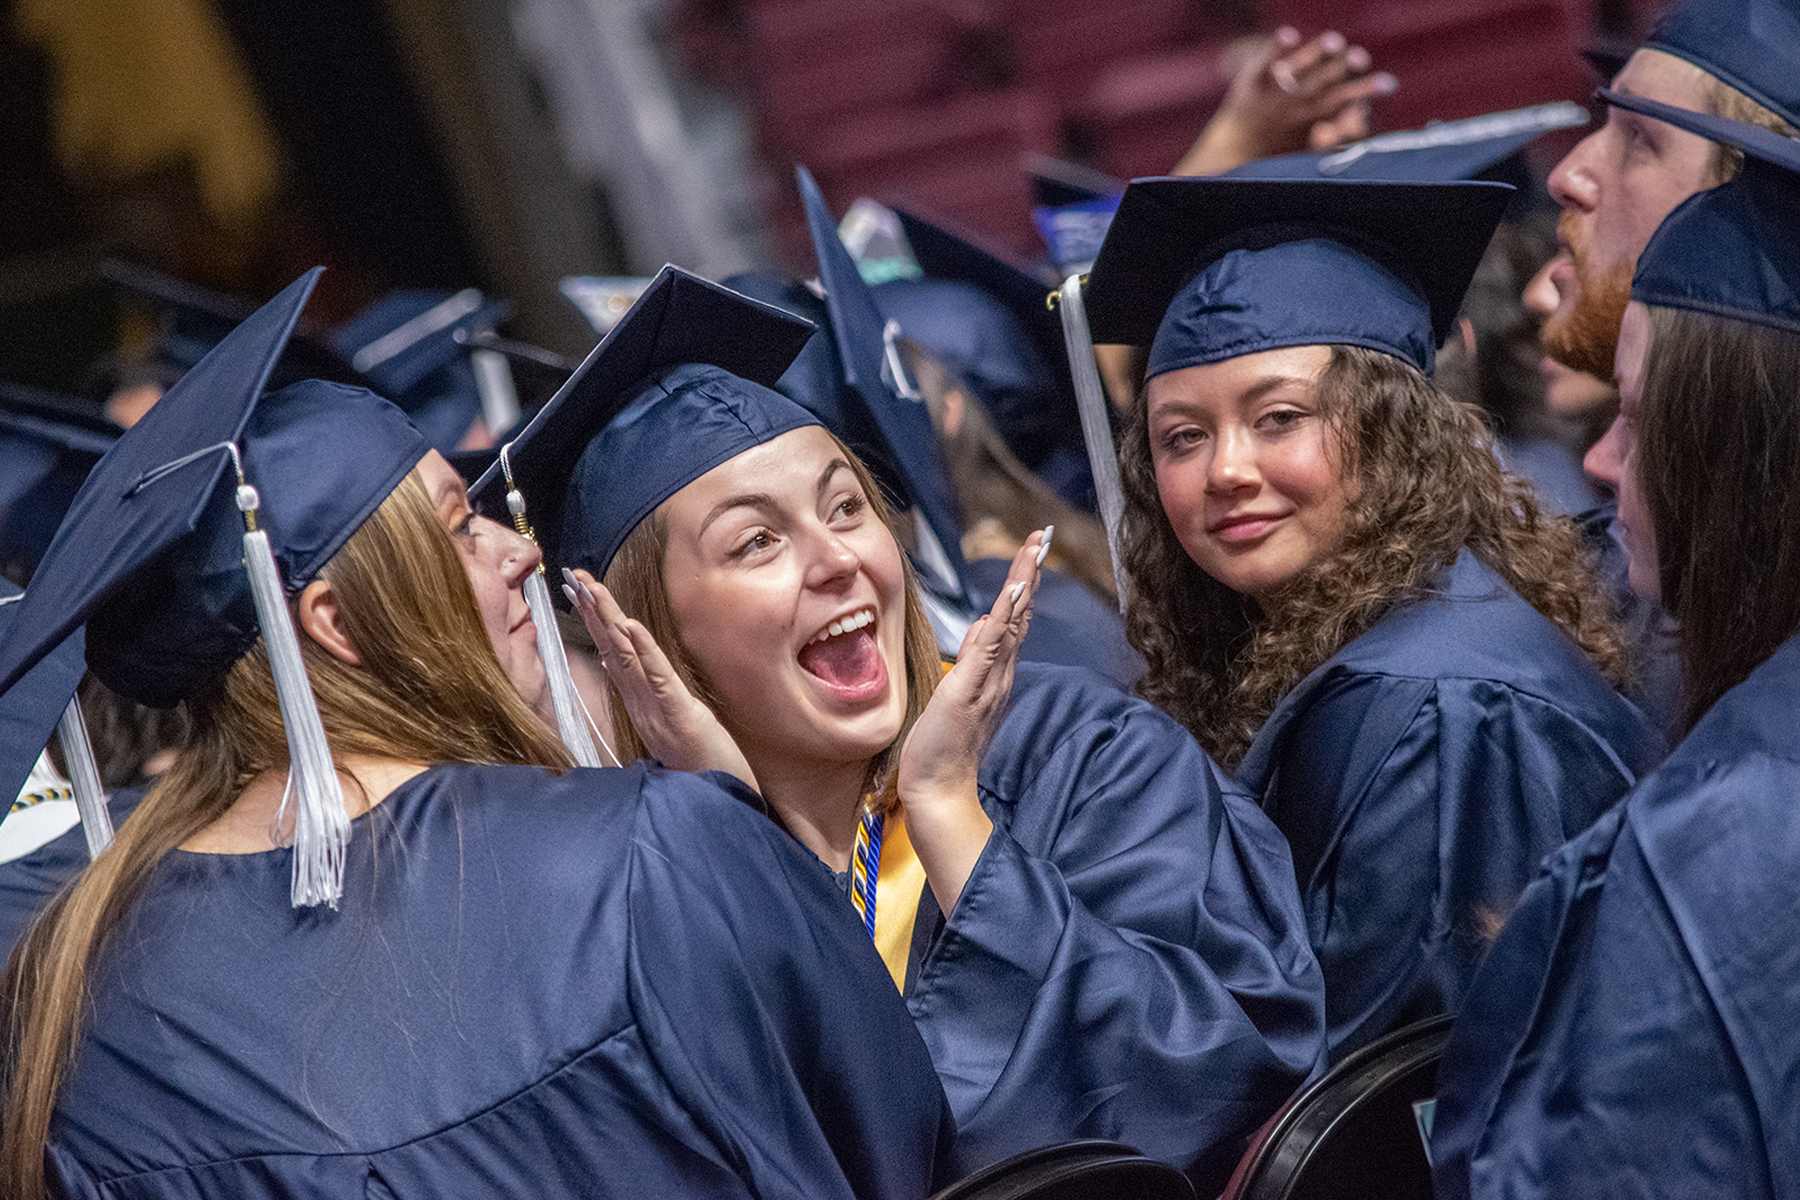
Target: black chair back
(1354, 1134)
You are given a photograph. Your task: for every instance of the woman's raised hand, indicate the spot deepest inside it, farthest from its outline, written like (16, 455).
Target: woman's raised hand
(939, 763)
(679, 731)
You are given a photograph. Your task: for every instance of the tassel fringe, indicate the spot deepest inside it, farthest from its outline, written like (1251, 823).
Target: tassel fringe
(321, 824)
(563, 696)
(84, 780)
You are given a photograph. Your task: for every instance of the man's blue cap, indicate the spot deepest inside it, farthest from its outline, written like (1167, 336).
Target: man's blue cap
(47, 448)
(679, 386)
(1438, 153)
(876, 382)
(406, 346)
(30, 709)
(1204, 270)
(1733, 250)
(988, 316)
(151, 553)
(1751, 45)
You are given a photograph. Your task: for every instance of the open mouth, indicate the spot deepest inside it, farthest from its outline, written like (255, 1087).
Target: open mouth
(846, 658)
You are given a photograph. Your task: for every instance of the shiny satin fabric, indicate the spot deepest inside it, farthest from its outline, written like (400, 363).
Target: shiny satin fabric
(1422, 775)
(616, 982)
(1070, 626)
(1128, 959)
(1633, 1031)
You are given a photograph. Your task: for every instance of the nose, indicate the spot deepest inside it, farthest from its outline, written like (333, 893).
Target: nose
(1233, 466)
(1540, 295)
(518, 556)
(1572, 182)
(1605, 459)
(831, 561)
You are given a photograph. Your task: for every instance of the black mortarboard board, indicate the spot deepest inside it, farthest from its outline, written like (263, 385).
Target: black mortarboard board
(858, 327)
(680, 319)
(1207, 269)
(1440, 152)
(1733, 250)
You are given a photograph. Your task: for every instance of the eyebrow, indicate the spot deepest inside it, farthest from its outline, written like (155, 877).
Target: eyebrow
(765, 501)
(1254, 392)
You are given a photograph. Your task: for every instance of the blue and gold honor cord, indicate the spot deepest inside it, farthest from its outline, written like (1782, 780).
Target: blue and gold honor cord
(865, 867)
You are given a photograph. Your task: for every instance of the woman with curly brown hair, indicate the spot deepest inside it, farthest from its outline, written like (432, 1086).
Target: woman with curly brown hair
(1334, 584)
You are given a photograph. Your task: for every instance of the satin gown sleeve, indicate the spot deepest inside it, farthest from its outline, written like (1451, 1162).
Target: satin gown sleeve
(1633, 1032)
(1128, 959)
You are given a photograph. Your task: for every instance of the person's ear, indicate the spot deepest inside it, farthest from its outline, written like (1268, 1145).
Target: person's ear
(319, 617)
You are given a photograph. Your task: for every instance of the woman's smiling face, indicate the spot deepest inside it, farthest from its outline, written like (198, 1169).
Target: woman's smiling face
(789, 593)
(1249, 471)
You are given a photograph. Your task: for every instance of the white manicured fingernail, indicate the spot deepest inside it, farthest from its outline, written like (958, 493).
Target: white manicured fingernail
(570, 593)
(1018, 589)
(1044, 546)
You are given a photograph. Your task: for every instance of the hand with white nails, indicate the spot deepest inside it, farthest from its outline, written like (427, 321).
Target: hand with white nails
(936, 774)
(678, 731)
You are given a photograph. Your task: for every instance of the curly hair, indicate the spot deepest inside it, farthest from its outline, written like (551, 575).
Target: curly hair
(1426, 485)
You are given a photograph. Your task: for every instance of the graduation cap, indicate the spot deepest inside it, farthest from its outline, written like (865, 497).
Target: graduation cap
(46, 450)
(407, 346)
(1751, 45)
(41, 700)
(1442, 151)
(177, 562)
(194, 319)
(1733, 250)
(878, 385)
(1208, 269)
(1073, 232)
(988, 315)
(677, 387)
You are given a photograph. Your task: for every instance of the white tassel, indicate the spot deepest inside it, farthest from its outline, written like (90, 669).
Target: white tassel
(563, 696)
(321, 824)
(564, 699)
(1096, 427)
(84, 780)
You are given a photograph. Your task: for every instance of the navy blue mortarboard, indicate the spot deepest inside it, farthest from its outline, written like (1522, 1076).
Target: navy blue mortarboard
(1751, 45)
(406, 345)
(153, 552)
(31, 708)
(1440, 152)
(1209, 269)
(680, 385)
(1733, 250)
(876, 380)
(46, 449)
(194, 319)
(988, 315)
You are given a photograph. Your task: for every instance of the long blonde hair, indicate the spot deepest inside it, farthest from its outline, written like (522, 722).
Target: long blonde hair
(429, 689)
(638, 581)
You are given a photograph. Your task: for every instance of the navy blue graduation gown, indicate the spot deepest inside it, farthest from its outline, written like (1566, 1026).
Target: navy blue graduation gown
(616, 982)
(1128, 959)
(1070, 626)
(1421, 775)
(28, 882)
(1636, 1029)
